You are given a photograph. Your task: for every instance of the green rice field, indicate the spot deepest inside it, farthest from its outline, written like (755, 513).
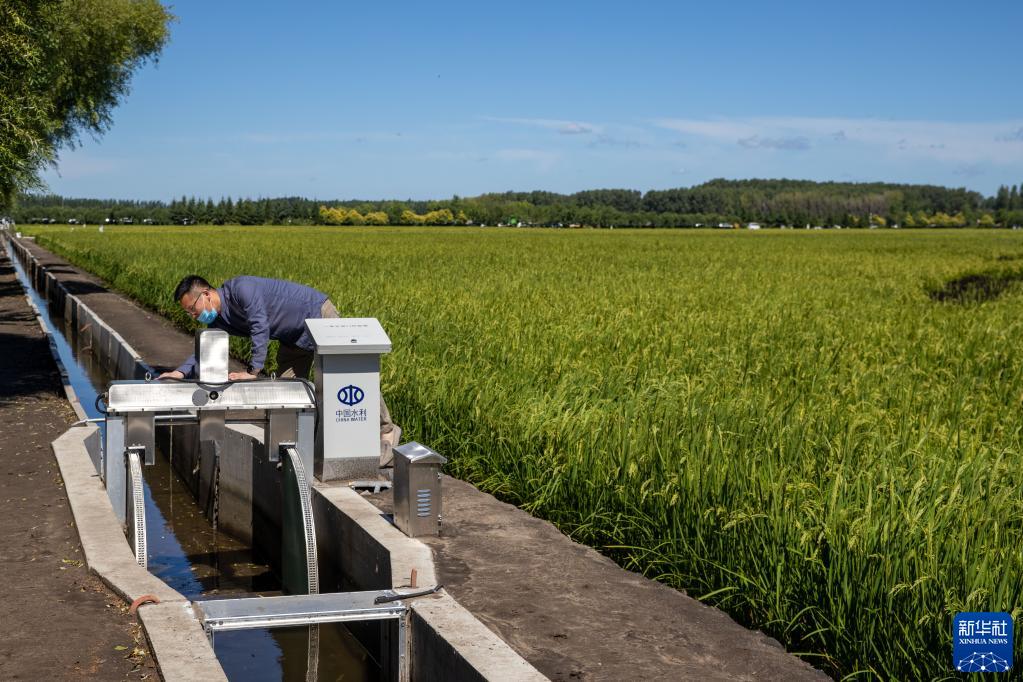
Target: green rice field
(813, 431)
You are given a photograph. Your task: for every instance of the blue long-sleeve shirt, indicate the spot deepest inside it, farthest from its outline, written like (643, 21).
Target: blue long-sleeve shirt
(265, 309)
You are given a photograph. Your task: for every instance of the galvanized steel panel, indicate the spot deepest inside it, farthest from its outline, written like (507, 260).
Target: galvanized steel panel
(291, 610)
(157, 396)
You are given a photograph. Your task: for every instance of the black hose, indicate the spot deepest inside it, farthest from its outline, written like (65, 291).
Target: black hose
(383, 599)
(101, 396)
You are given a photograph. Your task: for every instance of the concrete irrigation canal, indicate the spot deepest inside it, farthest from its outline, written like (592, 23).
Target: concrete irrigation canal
(225, 513)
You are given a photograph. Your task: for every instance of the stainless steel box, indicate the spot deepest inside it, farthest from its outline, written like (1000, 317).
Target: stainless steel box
(417, 494)
(211, 353)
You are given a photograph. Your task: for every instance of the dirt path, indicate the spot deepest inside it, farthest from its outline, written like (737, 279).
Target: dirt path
(58, 620)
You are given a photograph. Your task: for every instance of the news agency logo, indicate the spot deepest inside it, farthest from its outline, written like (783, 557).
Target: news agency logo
(982, 642)
(350, 395)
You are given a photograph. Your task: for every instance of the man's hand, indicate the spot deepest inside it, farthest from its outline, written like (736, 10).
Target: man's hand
(241, 376)
(171, 375)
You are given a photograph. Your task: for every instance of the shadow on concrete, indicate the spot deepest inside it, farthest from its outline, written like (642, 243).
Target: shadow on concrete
(57, 269)
(81, 288)
(30, 370)
(9, 287)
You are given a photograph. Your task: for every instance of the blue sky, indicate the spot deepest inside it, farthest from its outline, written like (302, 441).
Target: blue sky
(426, 100)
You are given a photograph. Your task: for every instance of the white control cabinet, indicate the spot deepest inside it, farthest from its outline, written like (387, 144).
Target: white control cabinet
(348, 354)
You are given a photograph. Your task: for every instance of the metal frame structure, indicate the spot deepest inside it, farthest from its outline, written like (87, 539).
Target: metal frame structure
(134, 408)
(222, 615)
(225, 615)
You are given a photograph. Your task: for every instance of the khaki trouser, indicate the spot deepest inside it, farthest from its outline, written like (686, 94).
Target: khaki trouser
(296, 362)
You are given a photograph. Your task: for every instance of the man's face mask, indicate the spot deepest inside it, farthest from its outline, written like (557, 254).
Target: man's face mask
(207, 315)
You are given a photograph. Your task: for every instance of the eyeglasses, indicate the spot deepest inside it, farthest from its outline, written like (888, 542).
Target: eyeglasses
(191, 309)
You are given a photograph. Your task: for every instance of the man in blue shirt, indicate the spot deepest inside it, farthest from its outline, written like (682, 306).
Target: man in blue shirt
(264, 309)
(261, 309)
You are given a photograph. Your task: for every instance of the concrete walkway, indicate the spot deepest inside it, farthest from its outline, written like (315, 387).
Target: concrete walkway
(569, 611)
(575, 614)
(59, 621)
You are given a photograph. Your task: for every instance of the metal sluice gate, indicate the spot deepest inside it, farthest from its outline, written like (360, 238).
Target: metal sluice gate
(288, 407)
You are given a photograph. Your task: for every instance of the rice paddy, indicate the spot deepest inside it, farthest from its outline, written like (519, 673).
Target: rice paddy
(797, 427)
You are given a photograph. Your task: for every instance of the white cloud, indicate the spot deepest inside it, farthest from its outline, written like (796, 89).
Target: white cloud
(563, 127)
(969, 170)
(954, 142)
(798, 143)
(544, 159)
(715, 129)
(1016, 136)
(291, 137)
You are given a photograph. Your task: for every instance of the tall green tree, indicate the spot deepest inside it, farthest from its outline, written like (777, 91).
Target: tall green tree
(64, 66)
(1002, 198)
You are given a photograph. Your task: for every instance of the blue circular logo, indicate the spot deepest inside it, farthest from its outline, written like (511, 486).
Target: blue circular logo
(351, 395)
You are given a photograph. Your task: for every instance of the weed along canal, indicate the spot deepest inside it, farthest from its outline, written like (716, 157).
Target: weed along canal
(186, 546)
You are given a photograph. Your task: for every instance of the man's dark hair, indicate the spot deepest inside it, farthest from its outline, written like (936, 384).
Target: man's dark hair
(190, 283)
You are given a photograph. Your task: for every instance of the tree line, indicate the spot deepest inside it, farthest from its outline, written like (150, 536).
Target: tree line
(794, 203)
